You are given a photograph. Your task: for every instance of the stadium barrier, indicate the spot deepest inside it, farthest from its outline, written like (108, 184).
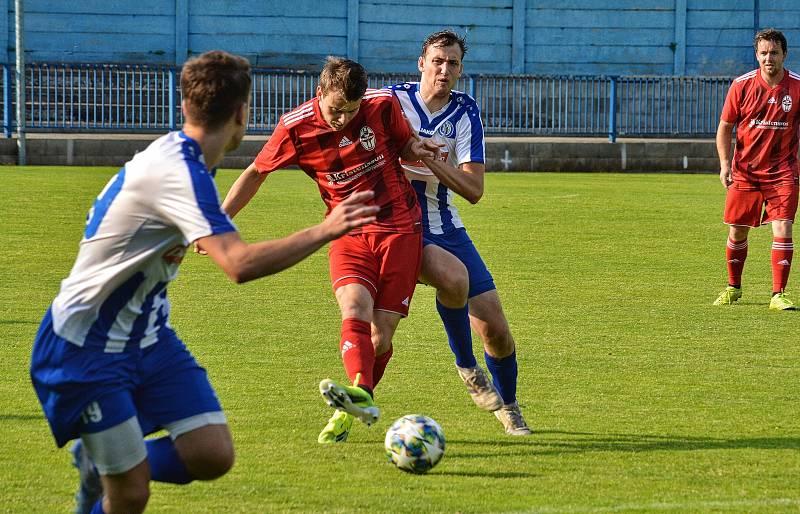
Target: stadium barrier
(141, 98)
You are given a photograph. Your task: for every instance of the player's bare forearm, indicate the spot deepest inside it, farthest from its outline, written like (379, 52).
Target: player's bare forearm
(723, 142)
(466, 181)
(243, 190)
(243, 262)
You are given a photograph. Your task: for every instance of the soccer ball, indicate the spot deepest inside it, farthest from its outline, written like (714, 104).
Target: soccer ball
(415, 443)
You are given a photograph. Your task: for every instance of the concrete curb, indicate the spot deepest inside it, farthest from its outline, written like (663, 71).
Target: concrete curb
(502, 153)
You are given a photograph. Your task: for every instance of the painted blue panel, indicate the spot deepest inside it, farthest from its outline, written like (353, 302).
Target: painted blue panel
(599, 18)
(92, 42)
(498, 4)
(444, 17)
(600, 54)
(100, 7)
(720, 37)
(591, 5)
(100, 23)
(302, 8)
(719, 19)
(722, 5)
(416, 34)
(80, 55)
(780, 5)
(260, 26)
(707, 60)
(598, 36)
(600, 68)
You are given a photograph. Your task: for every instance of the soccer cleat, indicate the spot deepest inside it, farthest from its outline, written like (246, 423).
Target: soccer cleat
(728, 296)
(337, 429)
(350, 399)
(91, 489)
(480, 388)
(779, 302)
(511, 418)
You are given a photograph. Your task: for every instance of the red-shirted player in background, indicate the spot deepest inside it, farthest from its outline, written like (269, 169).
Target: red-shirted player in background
(762, 182)
(350, 139)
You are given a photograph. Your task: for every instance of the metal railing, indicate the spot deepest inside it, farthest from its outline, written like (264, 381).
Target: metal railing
(139, 98)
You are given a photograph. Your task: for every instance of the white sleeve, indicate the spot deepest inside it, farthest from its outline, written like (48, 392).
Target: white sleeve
(188, 199)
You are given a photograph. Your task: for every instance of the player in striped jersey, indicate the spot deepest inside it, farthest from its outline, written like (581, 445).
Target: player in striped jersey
(106, 365)
(762, 178)
(350, 138)
(465, 290)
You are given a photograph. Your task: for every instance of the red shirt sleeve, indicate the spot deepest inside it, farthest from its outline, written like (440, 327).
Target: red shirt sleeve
(731, 112)
(399, 128)
(278, 152)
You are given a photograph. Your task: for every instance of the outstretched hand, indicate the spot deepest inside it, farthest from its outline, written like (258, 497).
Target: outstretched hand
(351, 213)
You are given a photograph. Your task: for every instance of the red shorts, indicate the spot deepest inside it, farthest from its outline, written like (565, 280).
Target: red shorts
(386, 264)
(754, 208)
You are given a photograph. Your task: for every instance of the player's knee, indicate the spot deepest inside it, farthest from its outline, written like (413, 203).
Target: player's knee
(453, 288)
(131, 498)
(210, 465)
(497, 338)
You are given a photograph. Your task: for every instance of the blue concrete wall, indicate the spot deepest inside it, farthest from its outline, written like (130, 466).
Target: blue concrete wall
(628, 37)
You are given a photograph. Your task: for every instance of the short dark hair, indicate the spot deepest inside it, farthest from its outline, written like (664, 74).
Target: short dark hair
(444, 38)
(345, 76)
(770, 35)
(214, 84)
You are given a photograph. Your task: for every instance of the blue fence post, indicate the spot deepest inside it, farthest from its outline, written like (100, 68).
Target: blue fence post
(612, 111)
(172, 99)
(7, 107)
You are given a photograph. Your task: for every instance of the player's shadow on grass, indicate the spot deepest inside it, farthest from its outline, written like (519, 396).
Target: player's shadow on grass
(554, 442)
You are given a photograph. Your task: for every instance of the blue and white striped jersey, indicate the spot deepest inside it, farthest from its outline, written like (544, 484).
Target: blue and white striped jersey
(136, 235)
(457, 126)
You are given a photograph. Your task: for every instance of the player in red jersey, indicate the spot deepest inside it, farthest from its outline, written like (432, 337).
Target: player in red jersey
(762, 180)
(350, 139)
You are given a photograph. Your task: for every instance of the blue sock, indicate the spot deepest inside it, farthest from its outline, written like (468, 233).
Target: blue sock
(459, 335)
(165, 464)
(98, 507)
(504, 376)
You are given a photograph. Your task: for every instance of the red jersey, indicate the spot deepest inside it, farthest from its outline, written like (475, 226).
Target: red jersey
(364, 155)
(767, 124)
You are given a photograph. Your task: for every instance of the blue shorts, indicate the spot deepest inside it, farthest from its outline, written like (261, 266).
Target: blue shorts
(87, 390)
(459, 244)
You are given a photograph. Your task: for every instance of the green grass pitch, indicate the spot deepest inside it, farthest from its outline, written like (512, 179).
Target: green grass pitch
(644, 397)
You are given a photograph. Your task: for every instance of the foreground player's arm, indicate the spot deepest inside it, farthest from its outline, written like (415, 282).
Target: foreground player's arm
(243, 262)
(243, 190)
(724, 132)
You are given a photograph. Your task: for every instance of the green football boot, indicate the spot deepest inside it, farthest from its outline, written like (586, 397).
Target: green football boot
(779, 302)
(728, 296)
(337, 429)
(350, 399)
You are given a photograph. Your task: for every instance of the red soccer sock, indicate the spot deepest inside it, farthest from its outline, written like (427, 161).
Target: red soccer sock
(735, 253)
(782, 251)
(380, 365)
(358, 354)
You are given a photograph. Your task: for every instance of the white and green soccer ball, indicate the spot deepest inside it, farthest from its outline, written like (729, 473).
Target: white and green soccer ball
(415, 443)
